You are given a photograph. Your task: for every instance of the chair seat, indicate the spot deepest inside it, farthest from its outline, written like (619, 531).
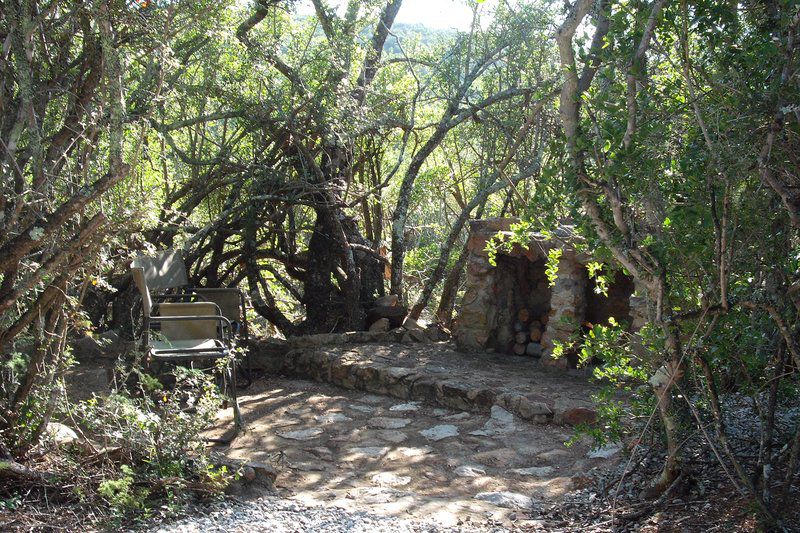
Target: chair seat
(194, 345)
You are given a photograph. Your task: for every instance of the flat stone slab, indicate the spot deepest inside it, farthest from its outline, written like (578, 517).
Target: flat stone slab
(332, 418)
(457, 417)
(440, 432)
(552, 455)
(388, 479)
(372, 452)
(493, 428)
(371, 398)
(301, 434)
(384, 422)
(499, 458)
(501, 415)
(392, 435)
(411, 451)
(470, 471)
(509, 500)
(606, 452)
(362, 408)
(536, 471)
(404, 407)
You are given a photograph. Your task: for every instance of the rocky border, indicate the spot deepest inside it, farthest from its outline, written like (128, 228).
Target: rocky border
(310, 357)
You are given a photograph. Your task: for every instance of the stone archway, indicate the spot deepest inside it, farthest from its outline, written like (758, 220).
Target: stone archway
(509, 307)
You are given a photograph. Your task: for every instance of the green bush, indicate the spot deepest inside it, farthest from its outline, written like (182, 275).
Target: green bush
(153, 435)
(620, 369)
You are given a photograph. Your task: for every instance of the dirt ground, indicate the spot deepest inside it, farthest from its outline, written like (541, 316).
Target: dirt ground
(366, 452)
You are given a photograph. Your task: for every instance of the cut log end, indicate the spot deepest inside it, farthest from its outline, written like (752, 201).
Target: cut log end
(534, 349)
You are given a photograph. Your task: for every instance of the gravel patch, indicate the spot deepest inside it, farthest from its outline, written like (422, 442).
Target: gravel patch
(278, 515)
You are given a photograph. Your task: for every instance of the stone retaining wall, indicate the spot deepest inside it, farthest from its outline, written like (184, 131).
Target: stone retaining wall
(346, 362)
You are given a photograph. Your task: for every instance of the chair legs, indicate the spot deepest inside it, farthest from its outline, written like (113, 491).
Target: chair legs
(237, 415)
(228, 381)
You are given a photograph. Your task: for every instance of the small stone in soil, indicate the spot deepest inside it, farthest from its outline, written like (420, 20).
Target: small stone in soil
(456, 417)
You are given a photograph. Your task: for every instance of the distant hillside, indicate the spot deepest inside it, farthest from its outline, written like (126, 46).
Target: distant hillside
(412, 32)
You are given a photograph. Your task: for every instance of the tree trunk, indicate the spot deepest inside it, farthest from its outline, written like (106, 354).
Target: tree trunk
(444, 313)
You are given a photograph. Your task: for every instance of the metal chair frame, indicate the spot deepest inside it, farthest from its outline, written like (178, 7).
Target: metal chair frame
(222, 345)
(166, 271)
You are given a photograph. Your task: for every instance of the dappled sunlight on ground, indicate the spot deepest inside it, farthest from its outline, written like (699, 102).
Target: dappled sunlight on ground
(362, 451)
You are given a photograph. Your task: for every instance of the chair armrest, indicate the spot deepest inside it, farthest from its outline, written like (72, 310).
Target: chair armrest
(182, 298)
(224, 323)
(178, 318)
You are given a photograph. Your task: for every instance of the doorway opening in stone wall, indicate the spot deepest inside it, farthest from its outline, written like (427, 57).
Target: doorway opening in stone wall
(523, 305)
(600, 307)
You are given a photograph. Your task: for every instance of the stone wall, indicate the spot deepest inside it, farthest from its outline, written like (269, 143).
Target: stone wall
(494, 294)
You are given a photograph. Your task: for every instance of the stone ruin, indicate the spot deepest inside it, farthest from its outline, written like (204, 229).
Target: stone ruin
(511, 308)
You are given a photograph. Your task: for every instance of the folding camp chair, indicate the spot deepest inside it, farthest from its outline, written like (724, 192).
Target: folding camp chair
(165, 273)
(186, 331)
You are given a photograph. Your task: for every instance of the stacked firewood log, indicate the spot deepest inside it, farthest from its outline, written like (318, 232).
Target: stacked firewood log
(528, 331)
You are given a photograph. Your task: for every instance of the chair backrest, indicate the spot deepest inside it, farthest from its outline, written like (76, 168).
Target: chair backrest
(188, 329)
(165, 270)
(228, 300)
(141, 283)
